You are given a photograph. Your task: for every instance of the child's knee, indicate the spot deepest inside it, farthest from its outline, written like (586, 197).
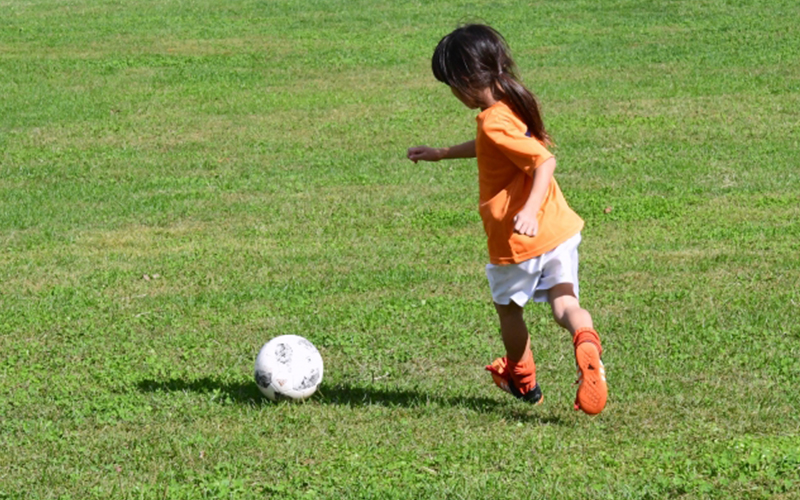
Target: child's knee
(563, 305)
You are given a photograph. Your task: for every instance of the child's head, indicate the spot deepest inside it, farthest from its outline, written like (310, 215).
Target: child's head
(474, 58)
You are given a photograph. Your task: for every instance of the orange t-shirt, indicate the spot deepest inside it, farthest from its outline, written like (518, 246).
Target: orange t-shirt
(506, 161)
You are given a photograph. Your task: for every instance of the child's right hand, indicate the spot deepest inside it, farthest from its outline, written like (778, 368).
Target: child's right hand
(418, 153)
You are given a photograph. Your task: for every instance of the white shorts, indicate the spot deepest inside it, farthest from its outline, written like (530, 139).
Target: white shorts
(534, 277)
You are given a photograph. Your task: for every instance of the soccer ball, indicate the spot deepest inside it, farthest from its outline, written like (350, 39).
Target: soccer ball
(288, 367)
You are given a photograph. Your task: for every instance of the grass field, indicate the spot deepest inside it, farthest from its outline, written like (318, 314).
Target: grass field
(181, 181)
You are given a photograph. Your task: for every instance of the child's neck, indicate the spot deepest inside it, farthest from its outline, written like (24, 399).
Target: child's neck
(486, 98)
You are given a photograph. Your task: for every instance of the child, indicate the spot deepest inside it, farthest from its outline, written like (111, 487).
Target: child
(533, 235)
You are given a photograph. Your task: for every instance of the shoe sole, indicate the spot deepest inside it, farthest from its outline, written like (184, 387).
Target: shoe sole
(593, 390)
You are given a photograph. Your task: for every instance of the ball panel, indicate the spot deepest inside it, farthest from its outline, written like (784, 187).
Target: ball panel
(309, 381)
(263, 378)
(283, 353)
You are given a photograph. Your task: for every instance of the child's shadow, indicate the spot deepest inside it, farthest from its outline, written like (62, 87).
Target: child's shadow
(246, 393)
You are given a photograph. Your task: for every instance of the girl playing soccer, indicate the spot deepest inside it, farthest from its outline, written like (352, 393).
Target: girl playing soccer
(533, 235)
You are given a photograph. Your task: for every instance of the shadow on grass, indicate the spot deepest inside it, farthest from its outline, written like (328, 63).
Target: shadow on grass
(246, 393)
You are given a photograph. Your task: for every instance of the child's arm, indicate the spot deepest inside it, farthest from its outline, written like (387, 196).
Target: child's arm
(464, 150)
(525, 221)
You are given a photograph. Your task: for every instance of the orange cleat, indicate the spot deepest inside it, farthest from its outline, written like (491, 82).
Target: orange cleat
(592, 388)
(502, 379)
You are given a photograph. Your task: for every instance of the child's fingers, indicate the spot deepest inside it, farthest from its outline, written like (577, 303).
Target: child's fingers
(524, 228)
(414, 154)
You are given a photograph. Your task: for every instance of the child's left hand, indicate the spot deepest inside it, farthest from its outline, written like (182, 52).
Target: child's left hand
(526, 223)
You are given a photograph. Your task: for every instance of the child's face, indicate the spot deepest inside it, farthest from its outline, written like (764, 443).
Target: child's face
(464, 99)
(484, 99)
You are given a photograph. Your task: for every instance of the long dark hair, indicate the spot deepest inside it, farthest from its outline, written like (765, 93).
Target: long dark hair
(474, 57)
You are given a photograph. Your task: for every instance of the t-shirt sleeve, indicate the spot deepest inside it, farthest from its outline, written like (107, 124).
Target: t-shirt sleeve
(526, 152)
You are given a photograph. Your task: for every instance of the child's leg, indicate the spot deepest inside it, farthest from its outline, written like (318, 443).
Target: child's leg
(567, 310)
(592, 391)
(516, 339)
(568, 313)
(514, 331)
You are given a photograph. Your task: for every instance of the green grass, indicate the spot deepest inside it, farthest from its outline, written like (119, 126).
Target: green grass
(248, 158)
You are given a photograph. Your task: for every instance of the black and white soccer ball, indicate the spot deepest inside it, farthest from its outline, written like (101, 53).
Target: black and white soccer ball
(288, 367)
